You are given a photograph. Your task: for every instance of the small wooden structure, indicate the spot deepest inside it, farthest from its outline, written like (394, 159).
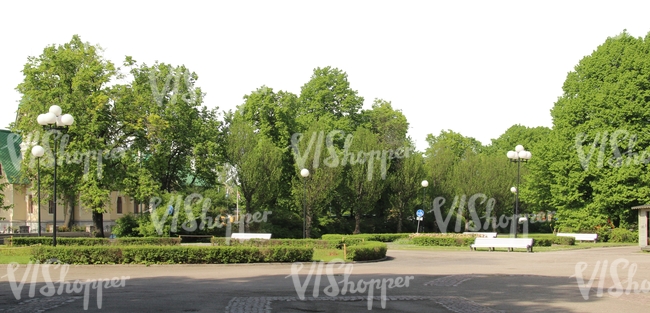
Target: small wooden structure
(644, 225)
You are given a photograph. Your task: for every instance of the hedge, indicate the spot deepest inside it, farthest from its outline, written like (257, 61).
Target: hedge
(549, 241)
(307, 243)
(367, 237)
(169, 254)
(370, 250)
(154, 241)
(457, 241)
(67, 241)
(60, 241)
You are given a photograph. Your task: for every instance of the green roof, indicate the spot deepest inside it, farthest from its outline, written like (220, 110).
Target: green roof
(11, 157)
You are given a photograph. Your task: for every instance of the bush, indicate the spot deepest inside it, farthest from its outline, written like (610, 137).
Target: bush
(367, 237)
(458, 241)
(126, 226)
(547, 241)
(170, 254)
(366, 251)
(308, 243)
(154, 241)
(603, 234)
(60, 241)
(623, 235)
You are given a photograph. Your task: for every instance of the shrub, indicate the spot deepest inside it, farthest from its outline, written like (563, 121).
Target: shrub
(170, 254)
(308, 243)
(623, 235)
(547, 241)
(126, 226)
(457, 241)
(154, 241)
(367, 237)
(366, 251)
(603, 234)
(60, 241)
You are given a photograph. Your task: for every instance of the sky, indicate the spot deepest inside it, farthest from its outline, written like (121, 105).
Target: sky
(474, 67)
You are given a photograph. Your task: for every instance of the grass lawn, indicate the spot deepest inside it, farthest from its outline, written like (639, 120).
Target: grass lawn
(10, 254)
(327, 255)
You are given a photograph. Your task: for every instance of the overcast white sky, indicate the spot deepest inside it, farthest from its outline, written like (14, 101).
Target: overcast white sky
(475, 67)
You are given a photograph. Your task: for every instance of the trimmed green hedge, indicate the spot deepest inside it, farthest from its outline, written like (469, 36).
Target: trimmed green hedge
(547, 241)
(62, 241)
(170, 254)
(443, 241)
(154, 241)
(367, 237)
(367, 251)
(68, 241)
(307, 243)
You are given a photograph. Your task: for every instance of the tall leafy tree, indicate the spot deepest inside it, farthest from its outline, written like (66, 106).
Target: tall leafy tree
(363, 180)
(599, 124)
(74, 76)
(258, 164)
(315, 151)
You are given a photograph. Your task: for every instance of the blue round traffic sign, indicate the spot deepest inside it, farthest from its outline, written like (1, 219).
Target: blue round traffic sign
(420, 213)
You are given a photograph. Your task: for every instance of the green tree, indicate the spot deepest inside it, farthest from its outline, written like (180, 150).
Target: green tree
(603, 111)
(405, 187)
(75, 76)
(363, 180)
(257, 162)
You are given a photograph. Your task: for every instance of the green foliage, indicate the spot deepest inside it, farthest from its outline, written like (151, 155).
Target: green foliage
(547, 241)
(154, 241)
(170, 254)
(623, 235)
(60, 241)
(367, 251)
(308, 243)
(126, 226)
(443, 241)
(365, 237)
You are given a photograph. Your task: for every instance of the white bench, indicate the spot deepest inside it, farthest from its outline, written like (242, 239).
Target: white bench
(510, 243)
(581, 237)
(250, 236)
(487, 235)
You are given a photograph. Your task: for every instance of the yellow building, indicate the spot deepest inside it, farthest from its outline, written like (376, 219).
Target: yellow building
(22, 195)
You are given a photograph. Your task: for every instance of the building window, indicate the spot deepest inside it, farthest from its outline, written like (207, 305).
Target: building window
(30, 205)
(119, 205)
(51, 207)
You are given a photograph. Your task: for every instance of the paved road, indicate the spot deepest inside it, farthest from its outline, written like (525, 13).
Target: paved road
(438, 281)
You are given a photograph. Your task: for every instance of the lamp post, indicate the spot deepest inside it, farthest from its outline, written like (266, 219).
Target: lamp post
(304, 173)
(424, 184)
(37, 152)
(518, 156)
(53, 120)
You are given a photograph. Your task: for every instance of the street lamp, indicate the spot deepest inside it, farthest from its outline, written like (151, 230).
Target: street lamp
(304, 173)
(53, 120)
(37, 152)
(519, 155)
(424, 184)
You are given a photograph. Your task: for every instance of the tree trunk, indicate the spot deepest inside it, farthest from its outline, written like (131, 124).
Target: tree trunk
(98, 220)
(308, 227)
(357, 222)
(399, 219)
(69, 213)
